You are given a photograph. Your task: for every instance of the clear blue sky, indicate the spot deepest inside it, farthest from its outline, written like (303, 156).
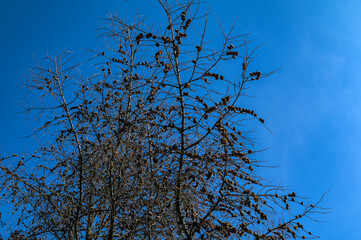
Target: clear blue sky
(312, 105)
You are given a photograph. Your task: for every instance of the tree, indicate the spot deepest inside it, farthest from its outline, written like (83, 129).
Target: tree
(152, 145)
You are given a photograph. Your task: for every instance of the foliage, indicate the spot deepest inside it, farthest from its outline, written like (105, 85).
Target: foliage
(152, 145)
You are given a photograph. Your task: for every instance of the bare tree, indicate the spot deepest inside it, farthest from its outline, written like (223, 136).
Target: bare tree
(149, 141)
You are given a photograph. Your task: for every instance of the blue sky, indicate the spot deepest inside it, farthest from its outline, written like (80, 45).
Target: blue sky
(312, 104)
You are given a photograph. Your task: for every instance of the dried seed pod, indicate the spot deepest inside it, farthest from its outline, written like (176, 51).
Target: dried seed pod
(224, 141)
(244, 66)
(183, 16)
(230, 47)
